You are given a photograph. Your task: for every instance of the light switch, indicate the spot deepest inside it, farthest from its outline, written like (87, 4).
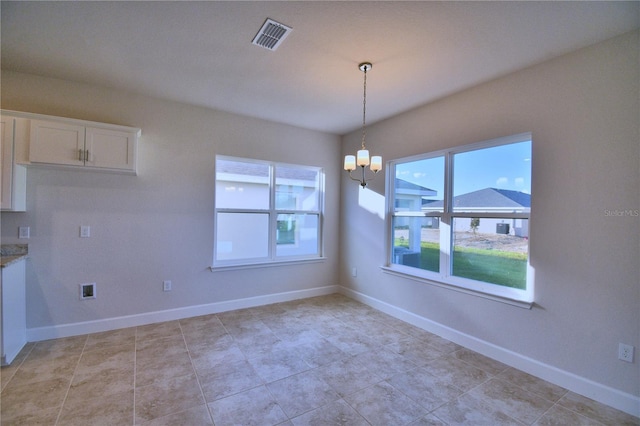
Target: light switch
(85, 231)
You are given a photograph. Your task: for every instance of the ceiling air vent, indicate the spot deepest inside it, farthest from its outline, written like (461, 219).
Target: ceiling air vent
(271, 35)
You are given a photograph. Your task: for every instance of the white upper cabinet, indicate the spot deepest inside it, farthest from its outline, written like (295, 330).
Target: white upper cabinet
(13, 178)
(113, 149)
(83, 145)
(56, 143)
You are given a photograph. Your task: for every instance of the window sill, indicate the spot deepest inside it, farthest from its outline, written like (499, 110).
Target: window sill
(221, 268)
(521, 303)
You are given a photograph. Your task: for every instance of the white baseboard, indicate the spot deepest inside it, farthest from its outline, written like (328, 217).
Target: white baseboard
(107, 324)
(604, 394)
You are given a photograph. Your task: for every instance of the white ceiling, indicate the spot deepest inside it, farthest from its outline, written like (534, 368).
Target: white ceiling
(201, 53)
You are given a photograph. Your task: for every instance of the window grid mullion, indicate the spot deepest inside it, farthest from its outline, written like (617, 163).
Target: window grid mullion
(273, 214)
(445, 234)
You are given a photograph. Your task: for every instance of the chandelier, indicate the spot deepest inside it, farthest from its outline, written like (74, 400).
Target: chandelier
(361, 159)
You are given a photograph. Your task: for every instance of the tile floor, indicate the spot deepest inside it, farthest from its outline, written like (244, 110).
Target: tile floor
(322, 361)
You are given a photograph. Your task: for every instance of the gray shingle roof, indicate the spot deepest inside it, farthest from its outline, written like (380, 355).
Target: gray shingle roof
(403, 184)
(490, 197)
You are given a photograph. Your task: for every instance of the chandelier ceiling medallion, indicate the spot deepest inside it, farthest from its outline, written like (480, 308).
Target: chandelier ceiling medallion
(361, 159)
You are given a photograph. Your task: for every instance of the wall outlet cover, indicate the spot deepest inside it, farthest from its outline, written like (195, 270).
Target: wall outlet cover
(85, 231)
(24, 232)
(625, 352)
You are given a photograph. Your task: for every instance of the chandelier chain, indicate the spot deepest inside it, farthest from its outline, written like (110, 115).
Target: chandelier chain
(364, 107)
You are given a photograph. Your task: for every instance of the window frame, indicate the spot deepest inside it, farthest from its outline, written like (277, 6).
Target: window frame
(272, 258)
(444, 277)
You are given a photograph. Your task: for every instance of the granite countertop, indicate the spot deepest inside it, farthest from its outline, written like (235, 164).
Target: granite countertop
(11, 253)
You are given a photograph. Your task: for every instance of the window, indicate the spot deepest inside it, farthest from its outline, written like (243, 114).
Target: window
(460, 217)
(266, 212)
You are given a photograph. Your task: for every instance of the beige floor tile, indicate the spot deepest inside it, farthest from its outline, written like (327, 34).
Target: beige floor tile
(596, 411)
(348, 376)
(167, 397)
(428, 420)
(383, 405)
(384, 362)
(512, 400)
(8, 371)
(352, 342)
(123, 336)
(34, 369)
(163, 368)
(207, 361)
(335, 413)
(457, 373)
(468, 410)
(158, 330)
(224, 369)
(253, 407)
(323, 360)
(482, 362)
(203, 322)
(540, 387)
(195, 416)
(101, 382)
(115, 409)
(415, 350)
(46, 417)
(259, 344)
(426, 389)
(18, 401)
(441, 344)
(559, 416)
(111, 357)
(278, 365)
(302, 392)
(318, 352)
(58, 347)
(230, 384)
(151, 350)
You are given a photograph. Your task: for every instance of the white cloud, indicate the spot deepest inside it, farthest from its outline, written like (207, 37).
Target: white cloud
(502, 181)
(519, 181)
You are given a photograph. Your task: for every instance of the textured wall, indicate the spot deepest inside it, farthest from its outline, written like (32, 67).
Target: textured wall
(583, 110)
(155, 226)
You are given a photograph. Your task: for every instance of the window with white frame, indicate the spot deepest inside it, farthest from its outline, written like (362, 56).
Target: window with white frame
(460, 217)
(266, 212)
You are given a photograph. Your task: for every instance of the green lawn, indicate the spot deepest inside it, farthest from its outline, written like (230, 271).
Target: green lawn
(494, 266)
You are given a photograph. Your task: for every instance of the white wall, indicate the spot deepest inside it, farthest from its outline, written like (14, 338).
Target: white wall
(583, 110)
(155, 226)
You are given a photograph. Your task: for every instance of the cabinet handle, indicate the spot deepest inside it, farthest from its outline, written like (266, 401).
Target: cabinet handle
(86, 155)
(80, 155)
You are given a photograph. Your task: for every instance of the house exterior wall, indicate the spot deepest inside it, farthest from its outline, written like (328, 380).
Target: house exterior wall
(582, 110)
(517, 227)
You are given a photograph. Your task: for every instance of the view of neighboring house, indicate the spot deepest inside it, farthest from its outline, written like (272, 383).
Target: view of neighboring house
(244, 197)
(489, 200)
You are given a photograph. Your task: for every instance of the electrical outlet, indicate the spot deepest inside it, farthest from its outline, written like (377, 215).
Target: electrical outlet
(85, 231)
(166, 285)
(354, 272)
(625, 352)
(23, 232)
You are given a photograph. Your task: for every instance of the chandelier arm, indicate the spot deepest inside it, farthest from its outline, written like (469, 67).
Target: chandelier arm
(363, 181)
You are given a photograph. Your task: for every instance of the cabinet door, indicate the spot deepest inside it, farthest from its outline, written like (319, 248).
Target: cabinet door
(6, 161)
(110, 149)
(14, 318)
(56, 143)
